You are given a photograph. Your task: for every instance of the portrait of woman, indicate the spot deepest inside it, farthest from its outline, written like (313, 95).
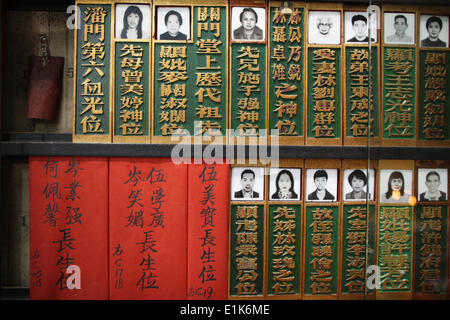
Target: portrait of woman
(356, 183)
(434, 31)
(132, 21)
(246, 28)
(284, 184)
(395, 188)
(173, 22)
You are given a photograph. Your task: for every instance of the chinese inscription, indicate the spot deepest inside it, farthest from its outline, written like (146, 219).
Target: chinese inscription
(394, 248)
(131, 115)
(399, 92)
(246, 252)
(284, 250)
(431, 248)
(324, 120)
(434, 102)
(359, 104)
(286, 72)
(92, 83)
(321, 250)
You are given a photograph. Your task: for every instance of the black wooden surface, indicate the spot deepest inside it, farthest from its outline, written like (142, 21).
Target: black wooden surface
(40, 144)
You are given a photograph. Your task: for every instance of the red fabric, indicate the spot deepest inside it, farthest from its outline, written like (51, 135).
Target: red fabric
(44, 87)
(148, 229)
(68, 226)
(208, 231)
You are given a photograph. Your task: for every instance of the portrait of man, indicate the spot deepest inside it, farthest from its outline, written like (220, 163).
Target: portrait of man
(132, 21)
(173, 23)
(321, 184)
(357, 28)
(434, 31)
(432, 184)
(324, 27)
(356, 182)
(403, 26)
(247, 183)
(285, 184)
(248, 24)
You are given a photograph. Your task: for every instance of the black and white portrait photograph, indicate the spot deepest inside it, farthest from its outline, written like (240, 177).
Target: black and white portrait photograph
(248, 24)
(399, 28)
(432, 184)
(132, 21)
(173, 23)
(324, 27)
(356, 27)
(321, 184)
(284, 183)
(395, 185)
(434, 31)
(356, 182)
(247, 183)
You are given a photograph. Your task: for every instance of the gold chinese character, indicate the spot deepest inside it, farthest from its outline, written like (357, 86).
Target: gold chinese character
(95, 14)
(93, 51)
(91, 104)
(131, 49)
(91, 124)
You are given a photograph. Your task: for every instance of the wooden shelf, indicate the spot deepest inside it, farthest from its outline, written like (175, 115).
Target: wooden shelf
(37, 144)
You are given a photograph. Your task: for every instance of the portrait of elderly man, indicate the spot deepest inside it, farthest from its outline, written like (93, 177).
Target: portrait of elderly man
(248, 30)
(404, 28)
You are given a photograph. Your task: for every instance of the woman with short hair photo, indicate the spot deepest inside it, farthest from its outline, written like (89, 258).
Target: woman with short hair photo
(357, 180)
(173, 21)
(434, 28)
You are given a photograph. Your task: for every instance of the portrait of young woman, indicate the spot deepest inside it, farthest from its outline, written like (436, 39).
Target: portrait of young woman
(132, 21)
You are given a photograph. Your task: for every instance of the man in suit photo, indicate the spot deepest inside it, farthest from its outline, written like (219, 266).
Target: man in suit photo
(247, 183)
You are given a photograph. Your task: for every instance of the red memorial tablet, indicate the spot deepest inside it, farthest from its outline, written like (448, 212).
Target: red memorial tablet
(208, 231)
(68, 228)
(148, 229)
